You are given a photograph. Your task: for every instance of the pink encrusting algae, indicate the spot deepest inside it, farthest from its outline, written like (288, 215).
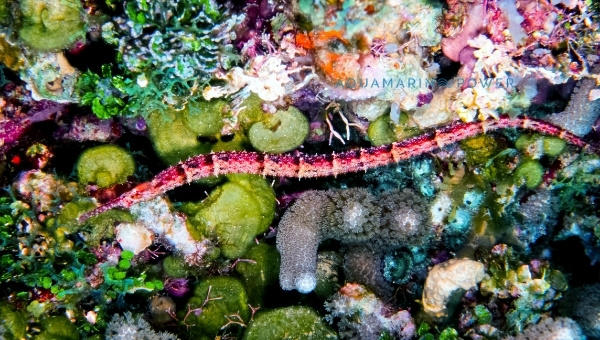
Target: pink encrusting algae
(300, 165)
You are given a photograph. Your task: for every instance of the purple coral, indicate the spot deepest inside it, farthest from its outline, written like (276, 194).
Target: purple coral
(177, 287)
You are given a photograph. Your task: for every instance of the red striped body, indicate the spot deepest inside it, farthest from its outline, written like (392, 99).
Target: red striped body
(299, 165)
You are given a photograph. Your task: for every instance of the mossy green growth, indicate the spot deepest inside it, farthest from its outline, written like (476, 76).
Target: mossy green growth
(228, 298)
(4, 12)
(296, 322)
(10, 53)
(105, 165)
(252, 113)
(530, 172)
(178, 135)
(205, 118)
(234, 213)
(67, 217)
(281, 132)
(172, 139)
(381, 131)
(13, 321)
(260, 274)
(176, 267)
(58, 328)
(479, 149)
(536, 145)
(103, 226)
(51, 25)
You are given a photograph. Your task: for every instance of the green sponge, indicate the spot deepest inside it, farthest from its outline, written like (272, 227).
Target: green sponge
(105, 165)
(281, 132)
(296, 322)
(51, 25)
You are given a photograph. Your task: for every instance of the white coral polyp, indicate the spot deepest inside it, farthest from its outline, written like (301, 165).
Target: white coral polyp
(355, 216)
(306, 283)
(408, 221)
(480, 102)
(269, 78)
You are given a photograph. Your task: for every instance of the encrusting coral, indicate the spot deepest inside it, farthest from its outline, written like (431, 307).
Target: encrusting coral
(446, 278)
(354, 217)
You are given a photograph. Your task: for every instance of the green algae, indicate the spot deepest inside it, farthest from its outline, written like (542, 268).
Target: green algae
(105, 165)
(261, 273)
(10, 53)
(172, 139)
(536, 145)
(51, 25)
(178, 135)
(529, 172)
(97, 228)
(206, 118)
(58, 328)
(13, 321)
(281, 132)
(296, 322)
(176, 267)
(479, 149)
(252, 113)
(234, 213)
(384, 131)
(226, 296)
(102, 227)
(381, 132)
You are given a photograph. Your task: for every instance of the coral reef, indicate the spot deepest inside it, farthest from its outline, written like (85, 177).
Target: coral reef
(356, 218)
(284, 323)
(559, 328)
(131, 327)
(201, 169)
(363, 316)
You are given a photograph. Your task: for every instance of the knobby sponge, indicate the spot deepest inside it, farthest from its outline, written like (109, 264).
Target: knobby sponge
(354, 217)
